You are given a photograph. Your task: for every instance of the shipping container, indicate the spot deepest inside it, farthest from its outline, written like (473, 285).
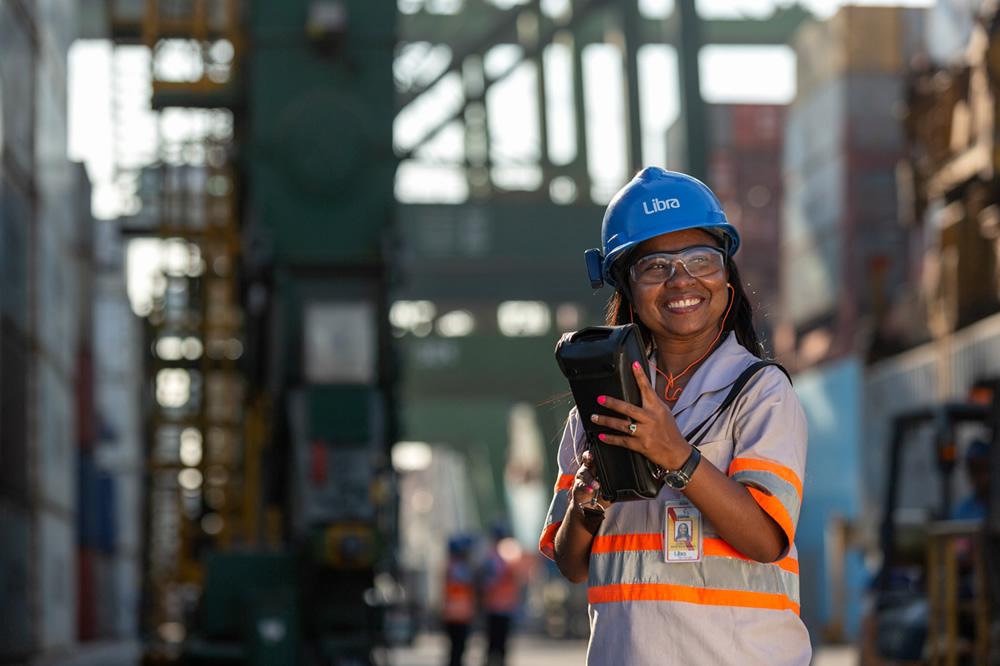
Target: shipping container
(833, 401)
(88, 590)
(15, 577)
(107, 510)
(758, 126)
(15, 222)
(57, 305)
(127, 589)
(86, 416)
(13, 413)
(56, 449)
(57, 581)
(57, 27)
(106, 609)
(814, 127)
(17, 82)
(127, 508)
(87, 511)
(873, 104)
(816, 290)
(815, 200)
(855, 40)
(839, 224)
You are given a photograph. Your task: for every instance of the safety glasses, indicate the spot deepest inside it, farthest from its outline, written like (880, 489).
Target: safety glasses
(697, 260)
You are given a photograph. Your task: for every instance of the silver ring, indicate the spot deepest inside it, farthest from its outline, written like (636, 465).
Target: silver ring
(632, 428)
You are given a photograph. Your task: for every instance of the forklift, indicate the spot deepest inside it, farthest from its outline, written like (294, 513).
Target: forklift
(935, 597)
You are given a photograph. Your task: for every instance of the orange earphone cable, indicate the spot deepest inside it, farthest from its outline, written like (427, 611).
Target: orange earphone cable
(671, 378)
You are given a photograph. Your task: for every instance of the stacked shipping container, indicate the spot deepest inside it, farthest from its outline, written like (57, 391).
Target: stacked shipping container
(57, 516)
(117, 400)
(744, 171)
(840, 235)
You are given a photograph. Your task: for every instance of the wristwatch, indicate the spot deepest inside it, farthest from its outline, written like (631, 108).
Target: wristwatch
(678, 479)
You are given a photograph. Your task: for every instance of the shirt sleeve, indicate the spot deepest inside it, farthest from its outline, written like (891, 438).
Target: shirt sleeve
(571, 448)
(771, 438)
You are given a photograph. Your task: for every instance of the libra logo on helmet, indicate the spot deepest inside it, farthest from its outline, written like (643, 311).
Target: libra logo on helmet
(660, 205)
(631, 218)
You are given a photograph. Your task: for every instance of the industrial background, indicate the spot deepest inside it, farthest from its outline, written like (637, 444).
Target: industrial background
(283, 321)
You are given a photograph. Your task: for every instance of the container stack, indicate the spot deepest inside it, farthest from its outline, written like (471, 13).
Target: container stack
(744, 171)
(844, 140)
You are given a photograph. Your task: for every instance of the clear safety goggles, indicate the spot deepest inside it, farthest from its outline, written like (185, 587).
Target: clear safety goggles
(697, 260)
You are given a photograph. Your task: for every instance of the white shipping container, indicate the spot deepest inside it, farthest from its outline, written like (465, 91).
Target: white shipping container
(128, 592)
(814, 127)
(58, 304)
(17, 78)
(105, 577)
(128, 508)
(814, 200)
(56, 460)
(57, 26)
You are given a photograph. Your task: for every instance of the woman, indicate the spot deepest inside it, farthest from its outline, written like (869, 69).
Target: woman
(683, 533)
(667, 250)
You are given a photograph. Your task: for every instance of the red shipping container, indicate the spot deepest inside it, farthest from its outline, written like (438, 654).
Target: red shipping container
(86, 615)
(86, 426)
(758, 126)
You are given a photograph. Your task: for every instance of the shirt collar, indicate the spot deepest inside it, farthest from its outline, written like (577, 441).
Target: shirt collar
(718, 372)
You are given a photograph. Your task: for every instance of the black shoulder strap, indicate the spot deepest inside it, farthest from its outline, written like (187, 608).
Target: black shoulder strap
(741, 381)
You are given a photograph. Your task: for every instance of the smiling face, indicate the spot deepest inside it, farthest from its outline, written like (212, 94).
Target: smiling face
(683, 309)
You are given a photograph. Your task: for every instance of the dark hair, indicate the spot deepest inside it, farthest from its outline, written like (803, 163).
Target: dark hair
(739, 320)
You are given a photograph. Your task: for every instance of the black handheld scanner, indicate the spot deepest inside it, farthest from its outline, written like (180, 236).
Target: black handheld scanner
(598, 361)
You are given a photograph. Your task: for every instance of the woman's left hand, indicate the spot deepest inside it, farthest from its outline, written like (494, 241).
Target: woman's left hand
(655, 434)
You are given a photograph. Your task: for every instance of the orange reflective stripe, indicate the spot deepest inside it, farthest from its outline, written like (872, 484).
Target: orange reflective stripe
(773, 507)
(565, 482)
(547, 539)
(612, 543)
(754, 464)
(721, 548)
(691, 595)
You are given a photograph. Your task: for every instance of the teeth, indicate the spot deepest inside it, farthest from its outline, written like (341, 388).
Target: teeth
(686, 303)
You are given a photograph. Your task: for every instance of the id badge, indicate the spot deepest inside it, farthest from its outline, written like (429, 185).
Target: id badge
(682, 533)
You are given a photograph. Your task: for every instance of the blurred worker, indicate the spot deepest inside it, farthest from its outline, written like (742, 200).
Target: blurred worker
(978, 468)
(501, 590)
(734, 599)
(459, 608)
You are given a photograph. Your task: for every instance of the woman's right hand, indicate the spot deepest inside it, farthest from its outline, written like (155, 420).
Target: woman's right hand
(586, 485)
(571, 546)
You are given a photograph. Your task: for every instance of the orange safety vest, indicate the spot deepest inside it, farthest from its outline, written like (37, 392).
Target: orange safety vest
(501, 587)
(459, 595)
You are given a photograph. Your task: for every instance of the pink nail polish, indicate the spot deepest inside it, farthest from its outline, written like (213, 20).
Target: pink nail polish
(635, 364)
(601, 399)
(601, 437)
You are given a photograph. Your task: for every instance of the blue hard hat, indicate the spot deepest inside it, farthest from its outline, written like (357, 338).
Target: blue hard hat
(461, 543)
(978, 450)
(656, 202)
